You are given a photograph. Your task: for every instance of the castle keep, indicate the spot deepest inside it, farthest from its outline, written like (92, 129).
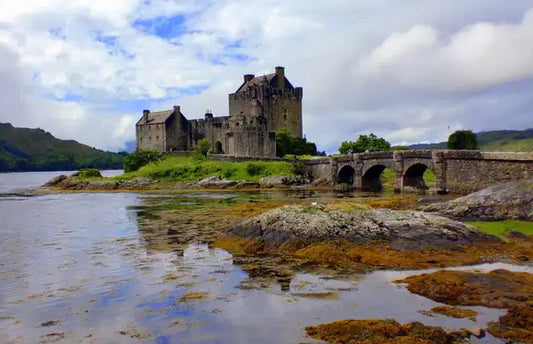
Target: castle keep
(259, 107)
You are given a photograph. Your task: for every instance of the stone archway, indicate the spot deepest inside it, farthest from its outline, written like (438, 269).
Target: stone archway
(218, 148)
(414, 177)
(346, 175)
(372, 178)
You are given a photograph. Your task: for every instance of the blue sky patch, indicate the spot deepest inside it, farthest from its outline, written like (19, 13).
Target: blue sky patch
(164, 27)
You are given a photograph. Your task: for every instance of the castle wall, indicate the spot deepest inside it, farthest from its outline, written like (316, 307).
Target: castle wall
(286, 111)
(151, 136)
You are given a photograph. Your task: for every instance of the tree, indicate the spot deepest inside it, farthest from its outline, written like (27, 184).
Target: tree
(462, 139)
(139, 158)
(364, 143)
(202, 148)
(286, 144)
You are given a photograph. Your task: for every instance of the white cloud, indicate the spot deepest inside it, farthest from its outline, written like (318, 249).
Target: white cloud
(403, 71)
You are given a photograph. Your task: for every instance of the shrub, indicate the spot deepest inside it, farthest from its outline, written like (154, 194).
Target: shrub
(88, 173)
(255, 169)
(299, 169)
(139, 158)
(203, 147)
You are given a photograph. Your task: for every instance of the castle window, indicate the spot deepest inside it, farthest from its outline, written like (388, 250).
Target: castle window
(157, 137)
(149, 138)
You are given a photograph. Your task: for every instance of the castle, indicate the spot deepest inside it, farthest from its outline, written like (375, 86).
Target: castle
(259, 107)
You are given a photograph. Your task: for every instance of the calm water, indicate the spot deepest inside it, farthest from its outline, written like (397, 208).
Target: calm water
(86, 268)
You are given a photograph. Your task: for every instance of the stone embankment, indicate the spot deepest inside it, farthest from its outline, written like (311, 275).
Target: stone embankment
(315, 223)
(512, 200)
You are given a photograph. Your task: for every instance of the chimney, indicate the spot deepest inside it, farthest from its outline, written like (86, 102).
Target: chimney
(248, 77)
(145, 115)
(280, 73)
(177, 109)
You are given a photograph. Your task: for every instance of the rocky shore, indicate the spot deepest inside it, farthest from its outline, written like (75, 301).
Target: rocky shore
(513, 200)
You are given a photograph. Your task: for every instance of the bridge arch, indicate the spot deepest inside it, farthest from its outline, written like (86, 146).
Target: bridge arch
(371, 180)
(346, 175)
(414, 176)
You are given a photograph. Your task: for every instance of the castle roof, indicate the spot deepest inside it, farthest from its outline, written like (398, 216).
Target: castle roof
(157, 117)
(261, 81)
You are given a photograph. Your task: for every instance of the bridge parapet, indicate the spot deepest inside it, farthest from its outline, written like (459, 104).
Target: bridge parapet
(458, 171)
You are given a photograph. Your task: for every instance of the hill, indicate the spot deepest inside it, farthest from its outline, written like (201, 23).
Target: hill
(496, 140)
(24, 149)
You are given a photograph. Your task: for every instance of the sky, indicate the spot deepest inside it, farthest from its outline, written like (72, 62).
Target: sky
(410, 71)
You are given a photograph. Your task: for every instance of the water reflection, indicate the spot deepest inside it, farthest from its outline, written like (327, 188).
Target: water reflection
(125, 267)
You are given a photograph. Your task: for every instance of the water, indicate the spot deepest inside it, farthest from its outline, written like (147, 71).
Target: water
(126, 267)
(18, 182)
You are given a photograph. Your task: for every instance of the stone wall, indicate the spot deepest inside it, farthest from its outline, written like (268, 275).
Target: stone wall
(468, 171)
(456, 171)
(151, 136)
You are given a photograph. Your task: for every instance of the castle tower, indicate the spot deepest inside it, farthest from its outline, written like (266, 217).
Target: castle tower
(281, 102)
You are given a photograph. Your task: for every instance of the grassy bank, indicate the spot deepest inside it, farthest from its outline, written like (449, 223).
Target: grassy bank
(179, 168)
(500, 228)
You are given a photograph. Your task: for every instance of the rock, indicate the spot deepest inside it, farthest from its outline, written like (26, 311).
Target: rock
(512, 200)
(56, 180)
(306, 224)
(475, 331)
(215, 181)
(272, 181)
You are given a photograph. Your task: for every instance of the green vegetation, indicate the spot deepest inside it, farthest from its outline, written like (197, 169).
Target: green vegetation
(525, 145)
(496, 140)
(139, 158)
(181, 168)
(387, 177)
(286, 144)
(364, 143)
(23, 149)
(500, 228)
(86, 173)
(462, 139)
(202, 148)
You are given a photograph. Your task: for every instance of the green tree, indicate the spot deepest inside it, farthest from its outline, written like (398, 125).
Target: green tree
(139, 158)
(364, 143)
(202, 148)
(286, 144)
(462, 139)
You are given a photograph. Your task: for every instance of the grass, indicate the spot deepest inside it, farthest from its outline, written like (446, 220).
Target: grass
(525, 145)
(500, 228)
(179, 168)
(387, 177)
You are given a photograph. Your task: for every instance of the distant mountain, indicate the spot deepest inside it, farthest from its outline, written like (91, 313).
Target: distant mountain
(496, 140)
(131, 146)
(24, 149)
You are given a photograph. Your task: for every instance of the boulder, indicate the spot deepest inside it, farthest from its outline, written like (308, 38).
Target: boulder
(56, 180)
(403, 229)
(512, 200)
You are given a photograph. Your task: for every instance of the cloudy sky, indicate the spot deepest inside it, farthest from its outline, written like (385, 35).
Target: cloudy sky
(407, 70)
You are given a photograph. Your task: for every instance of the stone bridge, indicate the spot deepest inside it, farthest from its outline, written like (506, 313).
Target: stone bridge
(456, 171)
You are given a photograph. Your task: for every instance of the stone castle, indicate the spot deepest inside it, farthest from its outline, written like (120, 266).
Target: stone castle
(259, 107)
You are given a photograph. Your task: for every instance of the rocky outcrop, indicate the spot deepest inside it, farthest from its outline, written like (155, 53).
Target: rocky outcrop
(73, 183)
(513, 200)
(402, 229)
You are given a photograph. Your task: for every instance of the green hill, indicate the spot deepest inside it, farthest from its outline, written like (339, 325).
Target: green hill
(496, 140)
(24, 149)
